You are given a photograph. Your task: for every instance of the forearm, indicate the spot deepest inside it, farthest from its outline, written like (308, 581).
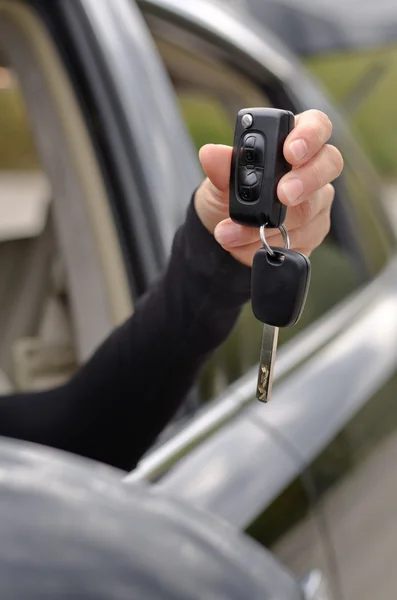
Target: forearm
(118, 403)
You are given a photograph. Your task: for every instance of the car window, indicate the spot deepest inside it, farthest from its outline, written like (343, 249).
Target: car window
(36, 349)
(362, 83)
(210, 94)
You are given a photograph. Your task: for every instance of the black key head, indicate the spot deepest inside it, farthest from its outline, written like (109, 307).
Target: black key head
(280, 284)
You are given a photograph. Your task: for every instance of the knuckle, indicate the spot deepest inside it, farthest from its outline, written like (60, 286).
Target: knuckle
(325, 197)
(310, 237)
(317, 175)
(297, 237)
(327, 222)
(330, 193)
(325, 226)
(305, 212)
(336, 158)
(321, 124)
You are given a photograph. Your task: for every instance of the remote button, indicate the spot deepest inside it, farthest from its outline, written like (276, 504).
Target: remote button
(247, 177)
(252, 150)
(250, 155)
(246, 194)
(249, 183)
(250, 178)
(250, 141)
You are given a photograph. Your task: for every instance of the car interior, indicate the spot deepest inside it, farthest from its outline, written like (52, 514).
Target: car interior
(63, 284)
(36, 348)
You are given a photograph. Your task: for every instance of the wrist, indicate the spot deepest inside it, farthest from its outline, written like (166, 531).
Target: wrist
(208, 205)
(207, 259)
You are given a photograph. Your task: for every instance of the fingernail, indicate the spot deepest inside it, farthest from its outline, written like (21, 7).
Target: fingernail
(293, 189)
(227, 234)
(299, 149)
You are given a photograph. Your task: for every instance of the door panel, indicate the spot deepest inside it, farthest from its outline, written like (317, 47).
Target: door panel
(329, 427)
(342, 427)
(357, 479)
(355, 499)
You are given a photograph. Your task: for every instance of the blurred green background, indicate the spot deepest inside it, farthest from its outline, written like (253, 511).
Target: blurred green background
(374, 122)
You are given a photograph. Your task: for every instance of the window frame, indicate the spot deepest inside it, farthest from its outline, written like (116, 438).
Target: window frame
(81, 209)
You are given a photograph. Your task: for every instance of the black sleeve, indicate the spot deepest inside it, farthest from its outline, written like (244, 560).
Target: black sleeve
(116, 405)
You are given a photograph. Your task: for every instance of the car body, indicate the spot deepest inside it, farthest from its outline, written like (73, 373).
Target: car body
(120, 96)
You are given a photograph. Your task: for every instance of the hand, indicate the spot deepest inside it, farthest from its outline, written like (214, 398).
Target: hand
(306, 190)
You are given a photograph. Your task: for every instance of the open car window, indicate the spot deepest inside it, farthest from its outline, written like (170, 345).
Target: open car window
(210, 94)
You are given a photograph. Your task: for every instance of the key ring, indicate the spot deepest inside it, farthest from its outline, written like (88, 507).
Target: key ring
(284, 233)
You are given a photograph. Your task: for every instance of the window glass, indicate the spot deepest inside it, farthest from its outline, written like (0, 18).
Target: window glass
(363, 84)
(36, 349)
(210, 95)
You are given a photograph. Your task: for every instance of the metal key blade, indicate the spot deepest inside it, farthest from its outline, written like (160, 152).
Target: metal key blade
(266, 364)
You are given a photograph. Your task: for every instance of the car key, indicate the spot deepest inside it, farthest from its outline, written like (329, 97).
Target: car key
(258, 164)
(279, 287)
(280, 277)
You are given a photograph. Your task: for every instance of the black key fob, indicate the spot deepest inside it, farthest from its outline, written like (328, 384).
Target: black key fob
(279, 286)
(258, 164)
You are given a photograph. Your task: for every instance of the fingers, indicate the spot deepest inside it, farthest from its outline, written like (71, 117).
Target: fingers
(306, 189)
(232, 235)
(312, 130)
(305, 212)
(304, 239)
(245, 254)
(311, 235)
(216, 162)
(326, 166)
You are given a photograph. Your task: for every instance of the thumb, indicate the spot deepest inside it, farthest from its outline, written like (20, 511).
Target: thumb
(216, 162)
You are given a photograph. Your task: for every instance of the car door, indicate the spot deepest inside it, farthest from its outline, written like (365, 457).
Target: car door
(292, 472)
(111, 226)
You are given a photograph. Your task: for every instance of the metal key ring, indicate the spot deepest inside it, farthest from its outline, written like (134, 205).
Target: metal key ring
(284, 233)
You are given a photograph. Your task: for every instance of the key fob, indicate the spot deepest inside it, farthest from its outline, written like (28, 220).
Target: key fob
(279, 286)
(258, 164)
